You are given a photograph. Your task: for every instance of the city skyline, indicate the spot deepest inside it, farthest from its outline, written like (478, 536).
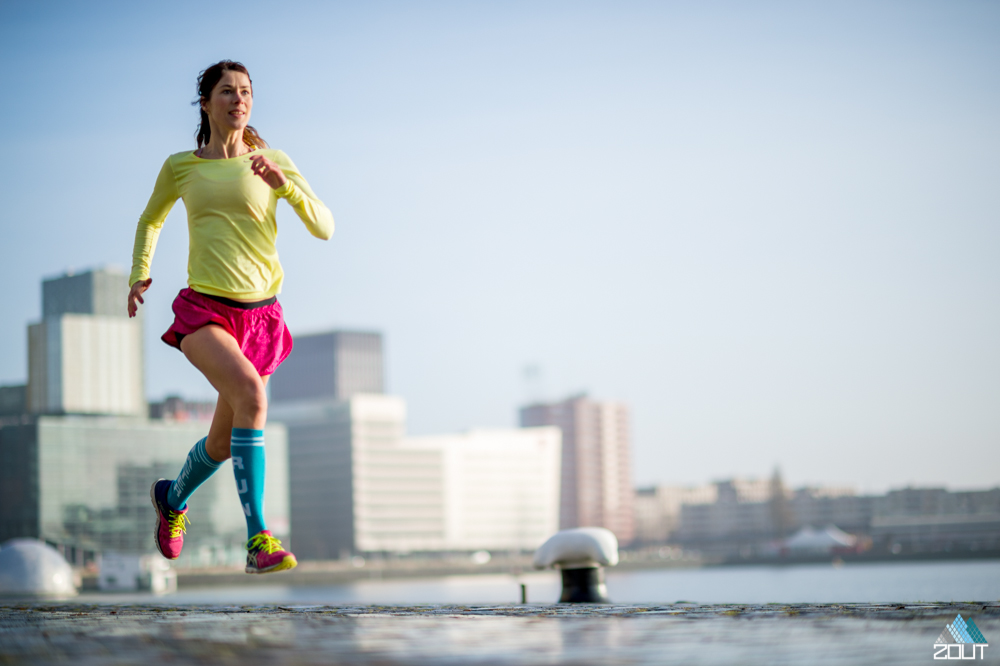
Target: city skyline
(337, 364)
(770, 231)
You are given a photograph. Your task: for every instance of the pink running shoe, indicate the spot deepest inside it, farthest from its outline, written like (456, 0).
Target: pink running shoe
(170, 523)
(265, 555)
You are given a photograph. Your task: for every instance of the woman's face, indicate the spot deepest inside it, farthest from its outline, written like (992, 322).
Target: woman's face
(230, 102)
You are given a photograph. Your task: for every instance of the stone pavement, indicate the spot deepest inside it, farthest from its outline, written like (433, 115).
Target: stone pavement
(40, 633)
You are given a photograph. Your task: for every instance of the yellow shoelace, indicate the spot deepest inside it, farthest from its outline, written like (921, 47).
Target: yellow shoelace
(264, 542)
(177, 523)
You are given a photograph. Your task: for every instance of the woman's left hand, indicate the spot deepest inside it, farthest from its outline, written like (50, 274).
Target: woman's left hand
(269, 171)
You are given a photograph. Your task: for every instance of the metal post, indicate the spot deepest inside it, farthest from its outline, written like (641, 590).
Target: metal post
(584, 586)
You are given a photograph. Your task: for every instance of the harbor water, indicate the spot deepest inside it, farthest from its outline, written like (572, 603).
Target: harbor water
(815, 583)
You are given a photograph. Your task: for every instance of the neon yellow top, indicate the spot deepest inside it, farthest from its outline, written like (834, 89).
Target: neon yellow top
(231, 226)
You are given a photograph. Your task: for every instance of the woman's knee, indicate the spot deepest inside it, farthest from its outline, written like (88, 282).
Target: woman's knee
(251, 398)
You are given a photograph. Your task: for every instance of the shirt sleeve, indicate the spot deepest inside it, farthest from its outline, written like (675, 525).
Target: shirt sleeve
(317, 217)
(165, 195)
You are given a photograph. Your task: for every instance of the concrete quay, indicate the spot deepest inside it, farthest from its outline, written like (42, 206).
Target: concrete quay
(438, 635)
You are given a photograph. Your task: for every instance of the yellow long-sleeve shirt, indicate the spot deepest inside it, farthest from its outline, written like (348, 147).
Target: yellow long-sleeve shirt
(231, 225)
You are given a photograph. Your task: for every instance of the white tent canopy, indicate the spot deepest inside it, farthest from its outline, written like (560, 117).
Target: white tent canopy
(813, 540)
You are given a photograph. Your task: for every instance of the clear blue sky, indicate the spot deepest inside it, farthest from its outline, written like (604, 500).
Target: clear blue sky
(771, 228)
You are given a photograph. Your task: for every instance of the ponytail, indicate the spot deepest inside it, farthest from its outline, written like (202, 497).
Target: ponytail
(204, 132)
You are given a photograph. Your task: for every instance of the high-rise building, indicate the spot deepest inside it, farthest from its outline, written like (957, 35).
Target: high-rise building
(335, 365)
(101, 291)
(13, 400)
(358, 485)
(85, 356)
(596, 468)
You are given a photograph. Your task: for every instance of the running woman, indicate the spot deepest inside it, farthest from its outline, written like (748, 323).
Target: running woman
(228, 321)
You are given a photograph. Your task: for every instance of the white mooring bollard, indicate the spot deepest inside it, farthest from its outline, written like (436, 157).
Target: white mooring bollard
(580, 554)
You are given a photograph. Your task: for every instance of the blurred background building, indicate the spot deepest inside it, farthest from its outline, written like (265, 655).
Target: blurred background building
(596, 475)
(746, 519)
(81, 483)
(85, 356)
(359, 485)
(658, 510)
(337, 365)
(176, 408)
(329, 483)
(935, 520)
(500, 487)
(752, 517)
(13, 400)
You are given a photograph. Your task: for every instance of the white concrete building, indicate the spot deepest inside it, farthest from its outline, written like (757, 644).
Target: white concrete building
(85, 364)
(344, 487)
(501, 487)
(358, 484)
(398, 501)
(85, 356)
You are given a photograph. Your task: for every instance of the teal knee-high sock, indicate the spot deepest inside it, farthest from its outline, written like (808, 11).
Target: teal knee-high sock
(248, 466)
(197, 468)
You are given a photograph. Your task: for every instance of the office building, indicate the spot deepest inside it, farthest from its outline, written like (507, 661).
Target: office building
(748, 517)
(500, 487)
(100, 291)
(335, 365)
(82, 483)
(658, 510)
(752, 518)
(334, 448)
(358, 485)
(596, 477)
(13, 400)
(176, 408)
(85, 356)
(929, 520)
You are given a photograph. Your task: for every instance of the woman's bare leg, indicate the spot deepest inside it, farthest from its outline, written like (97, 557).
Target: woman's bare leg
(220, 434)
(241, 410)
(242, 398)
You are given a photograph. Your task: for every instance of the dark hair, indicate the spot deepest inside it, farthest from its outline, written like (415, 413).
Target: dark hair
(207, 81)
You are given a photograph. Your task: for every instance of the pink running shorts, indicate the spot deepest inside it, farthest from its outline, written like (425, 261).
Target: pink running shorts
(259, 328)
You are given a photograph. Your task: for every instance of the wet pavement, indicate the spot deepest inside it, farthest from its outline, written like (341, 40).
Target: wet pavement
(61, 633)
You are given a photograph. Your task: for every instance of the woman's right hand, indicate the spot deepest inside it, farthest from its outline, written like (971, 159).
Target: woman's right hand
(135, 294)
